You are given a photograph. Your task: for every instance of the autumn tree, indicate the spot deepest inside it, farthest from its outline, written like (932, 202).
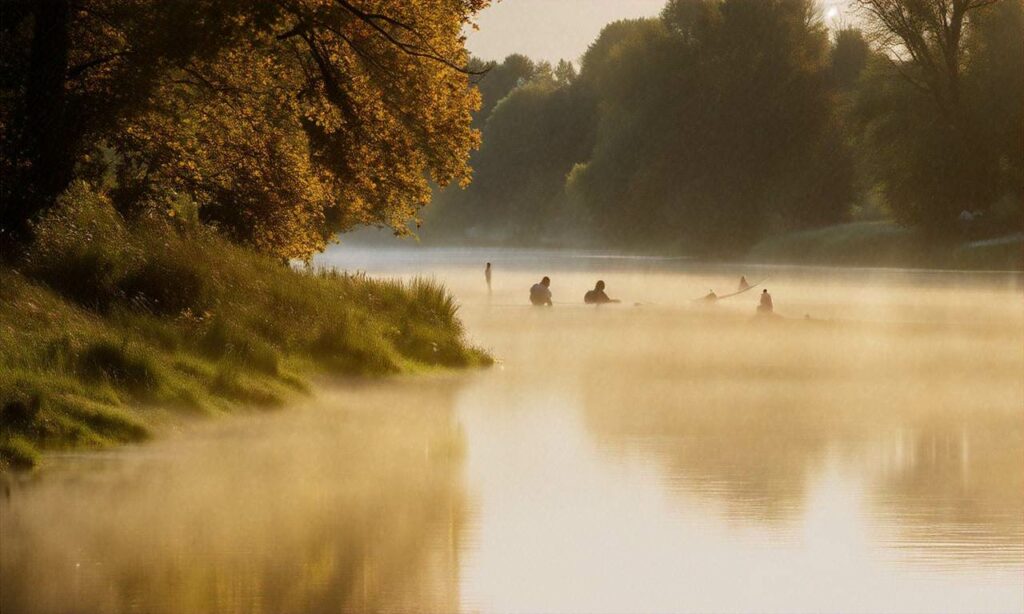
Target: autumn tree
(284, 122)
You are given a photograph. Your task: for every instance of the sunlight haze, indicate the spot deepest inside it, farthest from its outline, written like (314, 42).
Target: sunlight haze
(553, 30)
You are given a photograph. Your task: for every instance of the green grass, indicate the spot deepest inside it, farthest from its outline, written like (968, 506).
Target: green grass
(885, 244)
(106, 326)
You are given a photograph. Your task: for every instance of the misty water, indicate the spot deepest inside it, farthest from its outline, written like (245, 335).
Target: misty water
(657, 455)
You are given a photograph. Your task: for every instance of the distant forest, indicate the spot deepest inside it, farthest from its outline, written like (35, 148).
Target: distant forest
(722, 122)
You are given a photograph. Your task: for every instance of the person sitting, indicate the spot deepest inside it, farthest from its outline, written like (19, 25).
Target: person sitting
(597, 296)
(710, 297)
(743, 283)
(540, 293)
(766, 303)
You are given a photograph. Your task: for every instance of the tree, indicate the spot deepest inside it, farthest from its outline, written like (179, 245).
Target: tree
(703, 130)
(939, 109)
(531, 141)
(285, 121)
(924, 39)
(850, 53)
(718, 127)
(497, 80)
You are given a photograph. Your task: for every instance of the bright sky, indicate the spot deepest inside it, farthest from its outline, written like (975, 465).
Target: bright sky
(556, 29)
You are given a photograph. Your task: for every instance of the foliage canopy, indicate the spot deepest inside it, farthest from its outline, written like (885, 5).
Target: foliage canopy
(281, 122)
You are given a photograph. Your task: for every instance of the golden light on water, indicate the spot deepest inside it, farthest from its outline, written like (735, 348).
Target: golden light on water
(668, 456)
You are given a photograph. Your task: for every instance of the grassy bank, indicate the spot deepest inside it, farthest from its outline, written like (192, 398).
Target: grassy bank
(885, 244)
(107, 328)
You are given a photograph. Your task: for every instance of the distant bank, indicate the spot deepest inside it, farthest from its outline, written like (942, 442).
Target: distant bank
(855, 244)
(886, 244)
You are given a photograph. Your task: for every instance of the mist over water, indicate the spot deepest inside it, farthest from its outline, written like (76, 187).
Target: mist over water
(658, 455)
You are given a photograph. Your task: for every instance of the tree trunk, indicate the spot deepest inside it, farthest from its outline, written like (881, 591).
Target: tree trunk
(44, 144)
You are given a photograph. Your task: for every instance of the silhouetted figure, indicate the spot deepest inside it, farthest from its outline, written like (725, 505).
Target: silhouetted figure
(710, 297)
(597, 296)
(743, 284)
(487, 276)
(766, 303)
(540, 293)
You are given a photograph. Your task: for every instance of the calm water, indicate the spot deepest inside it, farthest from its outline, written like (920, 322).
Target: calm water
(659, 455)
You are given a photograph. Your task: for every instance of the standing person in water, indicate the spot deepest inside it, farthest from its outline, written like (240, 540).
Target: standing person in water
(540, 293)
(597, 296)
(743, 283)
(487, 276)
(766, 303)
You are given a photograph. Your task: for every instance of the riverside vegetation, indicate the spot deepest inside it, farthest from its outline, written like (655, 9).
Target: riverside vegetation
(108, 327)
(162, 164)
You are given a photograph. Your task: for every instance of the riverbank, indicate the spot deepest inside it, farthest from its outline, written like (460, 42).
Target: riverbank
(107, 328)
(885, 244)
(855, 244)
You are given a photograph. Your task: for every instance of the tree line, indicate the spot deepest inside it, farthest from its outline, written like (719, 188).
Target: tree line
(721, 122)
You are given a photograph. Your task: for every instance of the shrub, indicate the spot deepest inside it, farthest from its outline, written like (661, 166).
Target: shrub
(81, 248)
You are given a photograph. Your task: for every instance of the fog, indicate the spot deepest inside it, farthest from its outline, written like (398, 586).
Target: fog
(861, 451)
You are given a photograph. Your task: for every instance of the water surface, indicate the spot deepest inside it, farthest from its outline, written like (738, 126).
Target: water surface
(862, 452)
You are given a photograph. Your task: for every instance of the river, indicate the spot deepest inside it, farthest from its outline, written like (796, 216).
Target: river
(862, 452)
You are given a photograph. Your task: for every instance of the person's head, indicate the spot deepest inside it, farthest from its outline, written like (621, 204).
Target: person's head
(546, 281)
(599, 285)
(488, 265)
(765, 291)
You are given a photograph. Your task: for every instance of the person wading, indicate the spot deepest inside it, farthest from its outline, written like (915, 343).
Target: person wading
(766, 305)
(597, 296)
(540, 293)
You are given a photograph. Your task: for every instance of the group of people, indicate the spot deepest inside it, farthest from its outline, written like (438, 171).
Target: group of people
(540, 293)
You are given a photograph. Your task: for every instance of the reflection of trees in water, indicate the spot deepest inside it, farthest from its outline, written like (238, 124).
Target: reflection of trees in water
(954, 487)
(751, 431)
(751, 452)
(361, 513)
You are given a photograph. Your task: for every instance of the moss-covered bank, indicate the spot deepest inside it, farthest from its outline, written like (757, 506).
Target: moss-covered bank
(108, 327)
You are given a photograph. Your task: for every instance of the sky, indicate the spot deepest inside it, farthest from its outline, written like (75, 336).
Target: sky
(563, 29)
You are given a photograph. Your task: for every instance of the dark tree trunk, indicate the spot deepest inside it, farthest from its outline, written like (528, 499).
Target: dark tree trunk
(44, 145)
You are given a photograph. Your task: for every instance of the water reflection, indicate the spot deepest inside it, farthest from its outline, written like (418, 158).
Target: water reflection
(657, 457)
(353, 505)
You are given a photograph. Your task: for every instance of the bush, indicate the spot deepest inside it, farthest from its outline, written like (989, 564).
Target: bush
(82, 249)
